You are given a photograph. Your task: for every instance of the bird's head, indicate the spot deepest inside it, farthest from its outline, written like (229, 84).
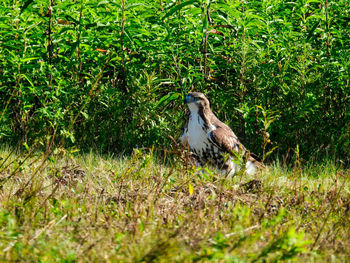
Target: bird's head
(196, 101)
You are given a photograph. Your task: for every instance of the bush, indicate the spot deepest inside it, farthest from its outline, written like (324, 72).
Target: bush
(111, 74)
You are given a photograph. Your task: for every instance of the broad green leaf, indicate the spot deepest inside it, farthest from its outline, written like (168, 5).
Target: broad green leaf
(165, 100)
(178, 7)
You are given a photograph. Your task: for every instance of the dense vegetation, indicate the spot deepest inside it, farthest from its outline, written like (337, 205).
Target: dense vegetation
(112, 74)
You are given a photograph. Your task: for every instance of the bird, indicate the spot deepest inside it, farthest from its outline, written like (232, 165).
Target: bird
(213, 142)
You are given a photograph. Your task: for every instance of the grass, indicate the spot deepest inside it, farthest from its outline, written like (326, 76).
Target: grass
(93, 208)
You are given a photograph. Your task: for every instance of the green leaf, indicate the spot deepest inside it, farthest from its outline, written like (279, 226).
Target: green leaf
(165, 100)
(269, 152)
(28, 79)
(71, 19)
(28, 59)
(25, 6)
(178, 7)
(26, 146)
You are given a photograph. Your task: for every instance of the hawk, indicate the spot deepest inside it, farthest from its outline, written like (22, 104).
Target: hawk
(212, 141)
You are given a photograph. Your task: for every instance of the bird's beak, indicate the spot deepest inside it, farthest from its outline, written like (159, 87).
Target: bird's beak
(189, 99)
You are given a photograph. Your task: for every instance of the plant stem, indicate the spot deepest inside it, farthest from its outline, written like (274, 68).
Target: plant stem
(327, 28)
(205, 51)
(49, 46)
(122, 26)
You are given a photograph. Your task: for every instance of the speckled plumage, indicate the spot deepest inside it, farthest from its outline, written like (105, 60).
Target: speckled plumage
(210, 140)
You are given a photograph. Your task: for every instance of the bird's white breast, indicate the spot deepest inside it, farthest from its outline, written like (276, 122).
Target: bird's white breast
(198, 133)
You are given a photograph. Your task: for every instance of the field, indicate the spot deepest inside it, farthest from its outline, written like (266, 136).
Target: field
(93, 208)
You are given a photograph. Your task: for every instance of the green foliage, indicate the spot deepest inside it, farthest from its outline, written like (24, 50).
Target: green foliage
(111, 74)
(288, 245)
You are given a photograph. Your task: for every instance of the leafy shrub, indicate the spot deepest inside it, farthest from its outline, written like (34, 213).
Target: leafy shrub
(94, 72)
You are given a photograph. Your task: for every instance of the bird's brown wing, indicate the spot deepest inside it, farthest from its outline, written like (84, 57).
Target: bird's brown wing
(226, 140)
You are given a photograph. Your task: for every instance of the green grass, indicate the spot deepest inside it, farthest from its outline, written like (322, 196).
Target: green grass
(109, 209)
